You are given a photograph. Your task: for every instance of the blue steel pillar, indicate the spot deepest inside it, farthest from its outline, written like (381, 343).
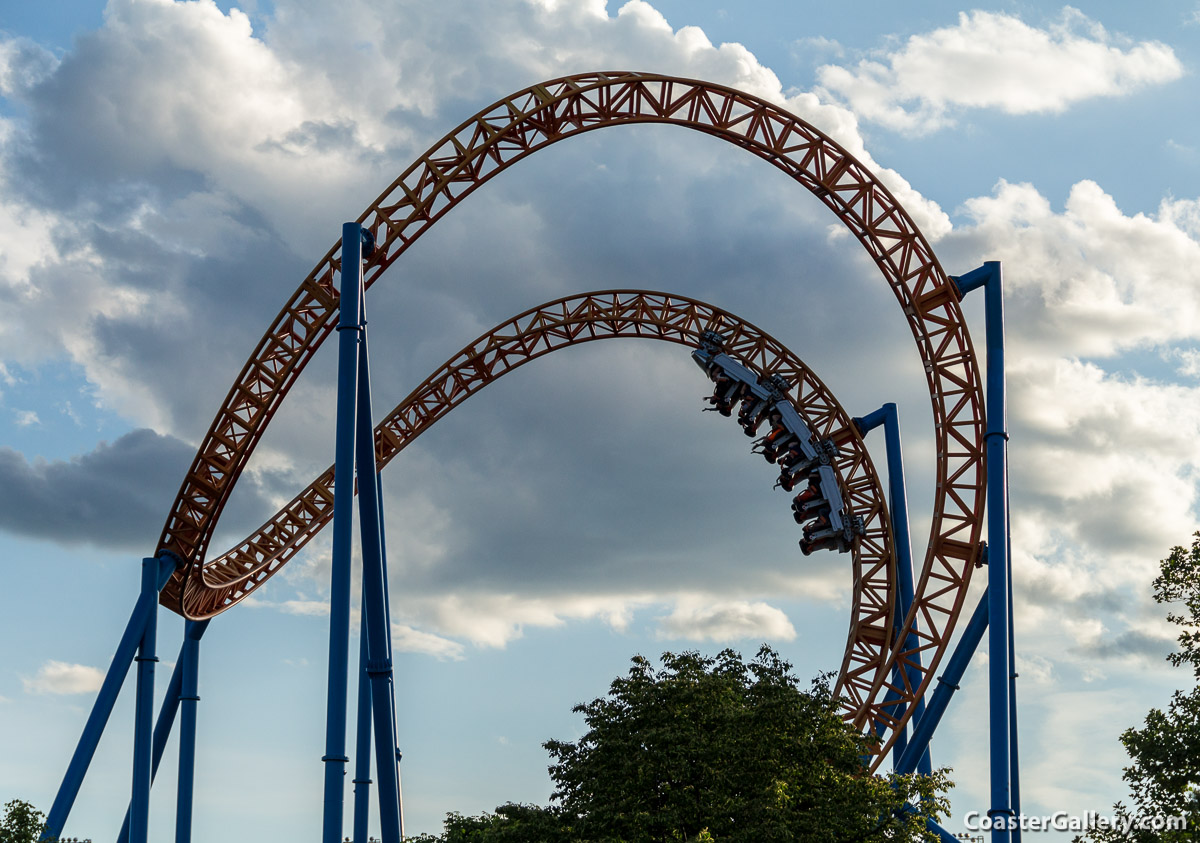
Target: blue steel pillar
(391, 685)
(189, 696)
(902, 544)
(118, 669)
(1014, 765)
(376, 611)
(349, 333)
(362, 750)
(143, 728)
(162, 731)
(166, 717)
(1000, 646)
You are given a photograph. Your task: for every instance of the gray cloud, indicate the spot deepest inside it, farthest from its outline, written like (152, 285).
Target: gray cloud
(1130, 643)
(115, 497)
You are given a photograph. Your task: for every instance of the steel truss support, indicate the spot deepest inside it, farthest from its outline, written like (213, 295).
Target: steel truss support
(355, 447)
(1005, 794)
(898, 502)
(139, 636)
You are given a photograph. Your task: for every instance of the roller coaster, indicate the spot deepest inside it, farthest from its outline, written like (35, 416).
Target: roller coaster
(902, 621)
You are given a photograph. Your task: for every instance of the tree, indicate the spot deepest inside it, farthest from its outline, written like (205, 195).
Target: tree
(22, 823)
(713, 748)
(511, 823)
(1164, 778)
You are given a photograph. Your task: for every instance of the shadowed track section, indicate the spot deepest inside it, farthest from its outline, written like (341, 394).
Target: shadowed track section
(507, 132)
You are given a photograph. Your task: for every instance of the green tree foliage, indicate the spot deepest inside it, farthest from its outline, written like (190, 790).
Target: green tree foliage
(22, 823)
(511, 823)
(713, 749)
(1164, 778)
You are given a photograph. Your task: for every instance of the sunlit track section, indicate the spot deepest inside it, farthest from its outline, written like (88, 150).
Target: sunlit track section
(532, 119)
(587, 318)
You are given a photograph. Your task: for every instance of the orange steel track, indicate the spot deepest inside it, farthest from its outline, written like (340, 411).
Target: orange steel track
(507, 132)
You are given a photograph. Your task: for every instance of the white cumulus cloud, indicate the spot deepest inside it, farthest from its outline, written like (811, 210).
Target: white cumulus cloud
(405, 639)
(995, 60)
(1104, 458)
(727, 620)
(55, 677)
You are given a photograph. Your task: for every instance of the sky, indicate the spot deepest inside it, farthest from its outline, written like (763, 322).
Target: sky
(170, 171)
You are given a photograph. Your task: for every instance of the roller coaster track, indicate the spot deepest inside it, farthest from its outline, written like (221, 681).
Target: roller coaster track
(488, 143)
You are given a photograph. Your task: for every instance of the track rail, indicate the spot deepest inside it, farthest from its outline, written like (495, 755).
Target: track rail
(534, 118)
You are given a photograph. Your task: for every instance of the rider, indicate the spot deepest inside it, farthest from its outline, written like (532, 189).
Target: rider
(813, 491)
(721, 403)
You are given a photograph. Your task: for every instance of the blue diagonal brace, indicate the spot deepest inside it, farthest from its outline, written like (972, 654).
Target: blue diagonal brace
(948, 683)
(102, 708)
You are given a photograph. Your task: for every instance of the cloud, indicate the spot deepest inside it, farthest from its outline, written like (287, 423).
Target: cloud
(23, 63)
(815, 46)
(405, 639)
(116, 496)
(996, 61)
(495, 619)
(26, 418)
(154, 235)
(1187, 359)
(1091, 281)
(1100, 485)
(167, 241)
(156, 209)
(308, 608)
(1131, 644)
(56, 677)
(731, 620)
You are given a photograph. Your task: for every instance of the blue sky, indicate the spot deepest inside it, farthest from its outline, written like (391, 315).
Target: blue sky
(170, 171)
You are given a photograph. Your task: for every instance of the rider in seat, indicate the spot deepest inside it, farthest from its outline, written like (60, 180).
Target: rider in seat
(722, 398)
(812, 492)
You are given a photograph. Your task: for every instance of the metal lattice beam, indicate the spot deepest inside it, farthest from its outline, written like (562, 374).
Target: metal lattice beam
(521, 124)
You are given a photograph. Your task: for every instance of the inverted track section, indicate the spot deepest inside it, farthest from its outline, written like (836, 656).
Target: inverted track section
(532, 119)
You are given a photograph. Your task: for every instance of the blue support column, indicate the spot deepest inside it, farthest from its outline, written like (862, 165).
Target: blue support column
(166, 720)
(1014, 765)
(1000, 662)
(362, 750)
(388, 607)
(143, 722)
(189, 697)
(162, 731)
(145, 606)
(375, 602)
(902, 544)
(349, 332)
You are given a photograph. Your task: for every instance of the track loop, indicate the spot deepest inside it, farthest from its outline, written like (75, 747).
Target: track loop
(532, 119)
